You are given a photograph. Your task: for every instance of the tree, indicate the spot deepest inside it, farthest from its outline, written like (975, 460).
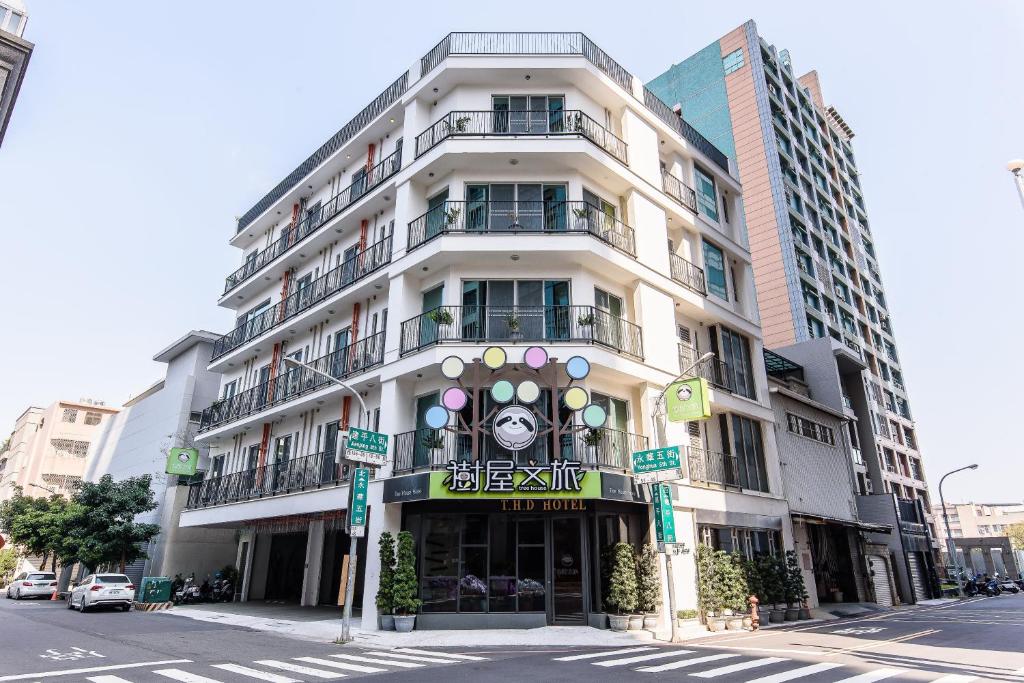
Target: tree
(386, 584)
(771, 569)
(104, 527)
(40, 526)
(734, 585)
(8, 563)
(622, 591)
(648, 580)
(406, 589)
(796, 592)
(707, 598)
(751, 570)
(1016, 534)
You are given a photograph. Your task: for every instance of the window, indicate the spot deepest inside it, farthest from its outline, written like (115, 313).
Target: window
(749, 451)
(70, 448)
(217, 466)
(528, 113)
(70, 415)
(735, 353)
(195, 417)
(810, 429)
(747, 541)
(707, 197)
(714, 270)
(92, 419)
(230, 389)
(733, 61)
(529, 207)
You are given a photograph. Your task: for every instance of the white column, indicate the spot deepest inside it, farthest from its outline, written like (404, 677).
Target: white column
(248, 535)
(314, 560)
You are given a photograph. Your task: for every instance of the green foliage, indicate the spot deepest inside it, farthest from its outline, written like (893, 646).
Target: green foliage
(721, 580)
(41, 526)
(8, 563)
(795, 590)
(772, 573)
(686, 614)
(648, 580)
(708, 599)
(386, 587)
(751, 570)
(406, 590)
(1016, 534)
(104, 527)
(622, 589)
(735, 585)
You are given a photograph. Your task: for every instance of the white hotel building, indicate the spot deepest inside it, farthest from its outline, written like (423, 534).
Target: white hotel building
(508, 190)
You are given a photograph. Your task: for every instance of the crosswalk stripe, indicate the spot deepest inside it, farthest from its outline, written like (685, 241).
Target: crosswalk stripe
(106, 679)
(684, 663)
(305, 670)
(876, 675)
(256, 673)
(641, 658)
(796, 673)
(413, 651)
(955, 678)
(608, 653)
(379, 660)
(341, 665)
(414, 658)
(184, 676)
(732, 668)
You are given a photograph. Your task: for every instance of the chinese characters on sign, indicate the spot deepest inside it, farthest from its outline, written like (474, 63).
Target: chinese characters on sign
(366, 446)
(357, 502)
(499, 476)
(664, 520)
(659, 464)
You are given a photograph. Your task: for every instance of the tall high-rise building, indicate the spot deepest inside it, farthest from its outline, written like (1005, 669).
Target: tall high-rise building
(15, 52)
(815, 262)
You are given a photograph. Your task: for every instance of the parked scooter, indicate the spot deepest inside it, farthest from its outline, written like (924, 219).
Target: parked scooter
(971, 588)
(990, 586)
(222, 591)
(1007, 584)
(189, 593)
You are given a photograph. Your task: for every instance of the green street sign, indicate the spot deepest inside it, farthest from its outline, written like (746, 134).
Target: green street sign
(657, 465)
(182, 461)
(357, 501)
(688, 400)
(366, 446)
(664, 520)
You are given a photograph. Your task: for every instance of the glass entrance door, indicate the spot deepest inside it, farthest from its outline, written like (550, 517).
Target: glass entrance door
(567, 580)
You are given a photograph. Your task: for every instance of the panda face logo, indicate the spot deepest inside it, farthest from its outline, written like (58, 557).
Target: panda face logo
(515, 428)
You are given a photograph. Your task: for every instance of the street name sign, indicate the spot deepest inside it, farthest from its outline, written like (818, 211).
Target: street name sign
(664, 520)
(357, 502)
(658, 464)
(367, 446)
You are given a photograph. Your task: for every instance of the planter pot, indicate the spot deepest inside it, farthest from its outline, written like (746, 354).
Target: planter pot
(776, 616)
(734, 623)
(792, 613)
(805, 613)
(748, 622)
(716, 624)
(636, 622)
(685, 623)
(651, 622)
(387, 622)
(405, 624)
(727, 612)
(618, 622)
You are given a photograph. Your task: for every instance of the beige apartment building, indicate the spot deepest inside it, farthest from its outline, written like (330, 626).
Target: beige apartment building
(974, 520)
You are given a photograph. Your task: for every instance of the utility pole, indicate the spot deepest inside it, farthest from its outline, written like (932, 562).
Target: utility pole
(950, 545)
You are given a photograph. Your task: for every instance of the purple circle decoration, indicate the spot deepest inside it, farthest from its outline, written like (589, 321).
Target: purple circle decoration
(454, 399)
(535, 357)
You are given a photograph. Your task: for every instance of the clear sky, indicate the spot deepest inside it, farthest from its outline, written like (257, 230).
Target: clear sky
(143, 129)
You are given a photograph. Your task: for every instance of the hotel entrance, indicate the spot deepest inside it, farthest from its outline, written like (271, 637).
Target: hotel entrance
(567, 571)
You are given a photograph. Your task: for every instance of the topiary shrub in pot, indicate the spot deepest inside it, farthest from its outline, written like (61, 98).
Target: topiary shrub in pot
(406, 586)
(734, 589)
(709, 601)
(386, 585)
(648, 585)
(621, 598)
(771, 569)
(794, 580)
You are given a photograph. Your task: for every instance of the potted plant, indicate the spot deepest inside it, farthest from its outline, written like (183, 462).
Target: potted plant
(406, 586)
(648, 585)
(709, 601)
(685, 617)
(441, 317)
(433, 441)
(512, 320)
(771, 569)
(581, 214)
(586, 323)
(734, 589)
(451, 215)
(794, 582)
(621, 587)
(461, 124)
(386, 585)
(755, 589)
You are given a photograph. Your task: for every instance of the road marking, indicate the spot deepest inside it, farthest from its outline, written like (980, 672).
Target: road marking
(796, 673)
(608, 653)
(876, 675)
(955, 678)
(379, 660)
(882, 643)
(684, 663)
(184, 676)
(414, 658)
(91, 669)
(256, 673)
(413, 651)
(641, 658)
(742, 666)
(305, 670)
(779, 650)
(106, 679)
(340, 665)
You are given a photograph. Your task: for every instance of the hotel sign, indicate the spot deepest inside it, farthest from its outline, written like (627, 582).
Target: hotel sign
(507, 479)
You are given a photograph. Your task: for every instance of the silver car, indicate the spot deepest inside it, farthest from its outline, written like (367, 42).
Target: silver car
(102, 589)
(32, 585)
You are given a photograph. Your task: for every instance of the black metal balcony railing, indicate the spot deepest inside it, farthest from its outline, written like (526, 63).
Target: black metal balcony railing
(687, 274)
(521, 122)
(585, 324)
(531, 217)
(432, 449)
(349, 360)
(387, 167)
(299, 474)
(679, 191)
(711, 369)
(304, 297)
(712, 467)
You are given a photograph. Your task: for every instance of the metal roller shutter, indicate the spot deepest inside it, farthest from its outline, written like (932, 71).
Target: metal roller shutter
(917, 577)
(880, 580)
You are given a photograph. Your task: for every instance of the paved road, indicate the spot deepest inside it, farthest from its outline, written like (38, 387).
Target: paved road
(981, 639)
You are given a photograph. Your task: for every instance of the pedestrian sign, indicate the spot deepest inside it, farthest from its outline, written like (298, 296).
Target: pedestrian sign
(688, 400)
(659, 464)
(357, 501)
(664, 519)
(367, 446)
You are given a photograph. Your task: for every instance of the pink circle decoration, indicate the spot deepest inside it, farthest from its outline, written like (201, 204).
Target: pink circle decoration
(454, 399)
(535, 357)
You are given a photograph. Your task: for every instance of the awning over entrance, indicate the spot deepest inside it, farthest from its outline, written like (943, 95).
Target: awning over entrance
(872, 527)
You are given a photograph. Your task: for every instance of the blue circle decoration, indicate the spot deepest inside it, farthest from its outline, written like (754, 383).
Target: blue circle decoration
(594, 416)
(577, 367)
(436, 417)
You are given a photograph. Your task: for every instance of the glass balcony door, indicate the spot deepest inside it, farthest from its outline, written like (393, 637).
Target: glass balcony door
(528, 114)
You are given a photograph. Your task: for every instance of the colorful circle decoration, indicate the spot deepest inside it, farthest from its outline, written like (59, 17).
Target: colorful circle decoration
(502, 391)
(494, 357)
(454, 399)
(535, 357)
(528, 391)
(594, 416)
(452, 367)
(436, 417)
(577, 367)
(515, 427)
(575, 398)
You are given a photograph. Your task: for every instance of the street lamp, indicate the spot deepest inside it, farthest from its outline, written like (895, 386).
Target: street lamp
(950, 546)
(350, 584)
(1015, 166)
(659, 439)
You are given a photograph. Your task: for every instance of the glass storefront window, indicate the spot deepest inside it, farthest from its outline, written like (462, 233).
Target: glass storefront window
(439, 585)
(502, 581)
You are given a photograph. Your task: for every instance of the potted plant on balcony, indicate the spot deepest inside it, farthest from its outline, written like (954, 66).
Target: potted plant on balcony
(586, 320)
(441, 317)
(461, 124)
(794, 582)
(433, 441)
(581, 213)
(621, 587)
(451, 215)
(648, 582)
(406, 586)
(386, 586)
(512, 320)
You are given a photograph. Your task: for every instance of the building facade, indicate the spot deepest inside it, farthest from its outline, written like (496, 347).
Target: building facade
(815, 261)
(15, 52)
(514, 191)
(978, 519)
(137, 441)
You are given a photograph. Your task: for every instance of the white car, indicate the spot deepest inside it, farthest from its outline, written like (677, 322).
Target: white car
(32, 585)
(102, 589)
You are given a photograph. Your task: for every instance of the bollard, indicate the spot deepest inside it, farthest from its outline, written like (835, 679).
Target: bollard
(755, 617)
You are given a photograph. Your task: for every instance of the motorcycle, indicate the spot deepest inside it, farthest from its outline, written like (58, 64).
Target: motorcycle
(223, 591)
(971, 588)
(188, 594)
(1007, 584)
(991, 587)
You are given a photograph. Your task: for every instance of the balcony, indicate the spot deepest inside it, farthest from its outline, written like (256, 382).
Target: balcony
(711, 369)
(508, 123)
(687, 274)
(353, 269)
(713, 468)
(430, 449)
(474, 324)
(332, 207)
(524, 217)
(311, 472)
(350, 360)
(679, 191)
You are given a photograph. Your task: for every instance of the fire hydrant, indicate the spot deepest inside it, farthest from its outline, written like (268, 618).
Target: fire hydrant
(755, 618)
